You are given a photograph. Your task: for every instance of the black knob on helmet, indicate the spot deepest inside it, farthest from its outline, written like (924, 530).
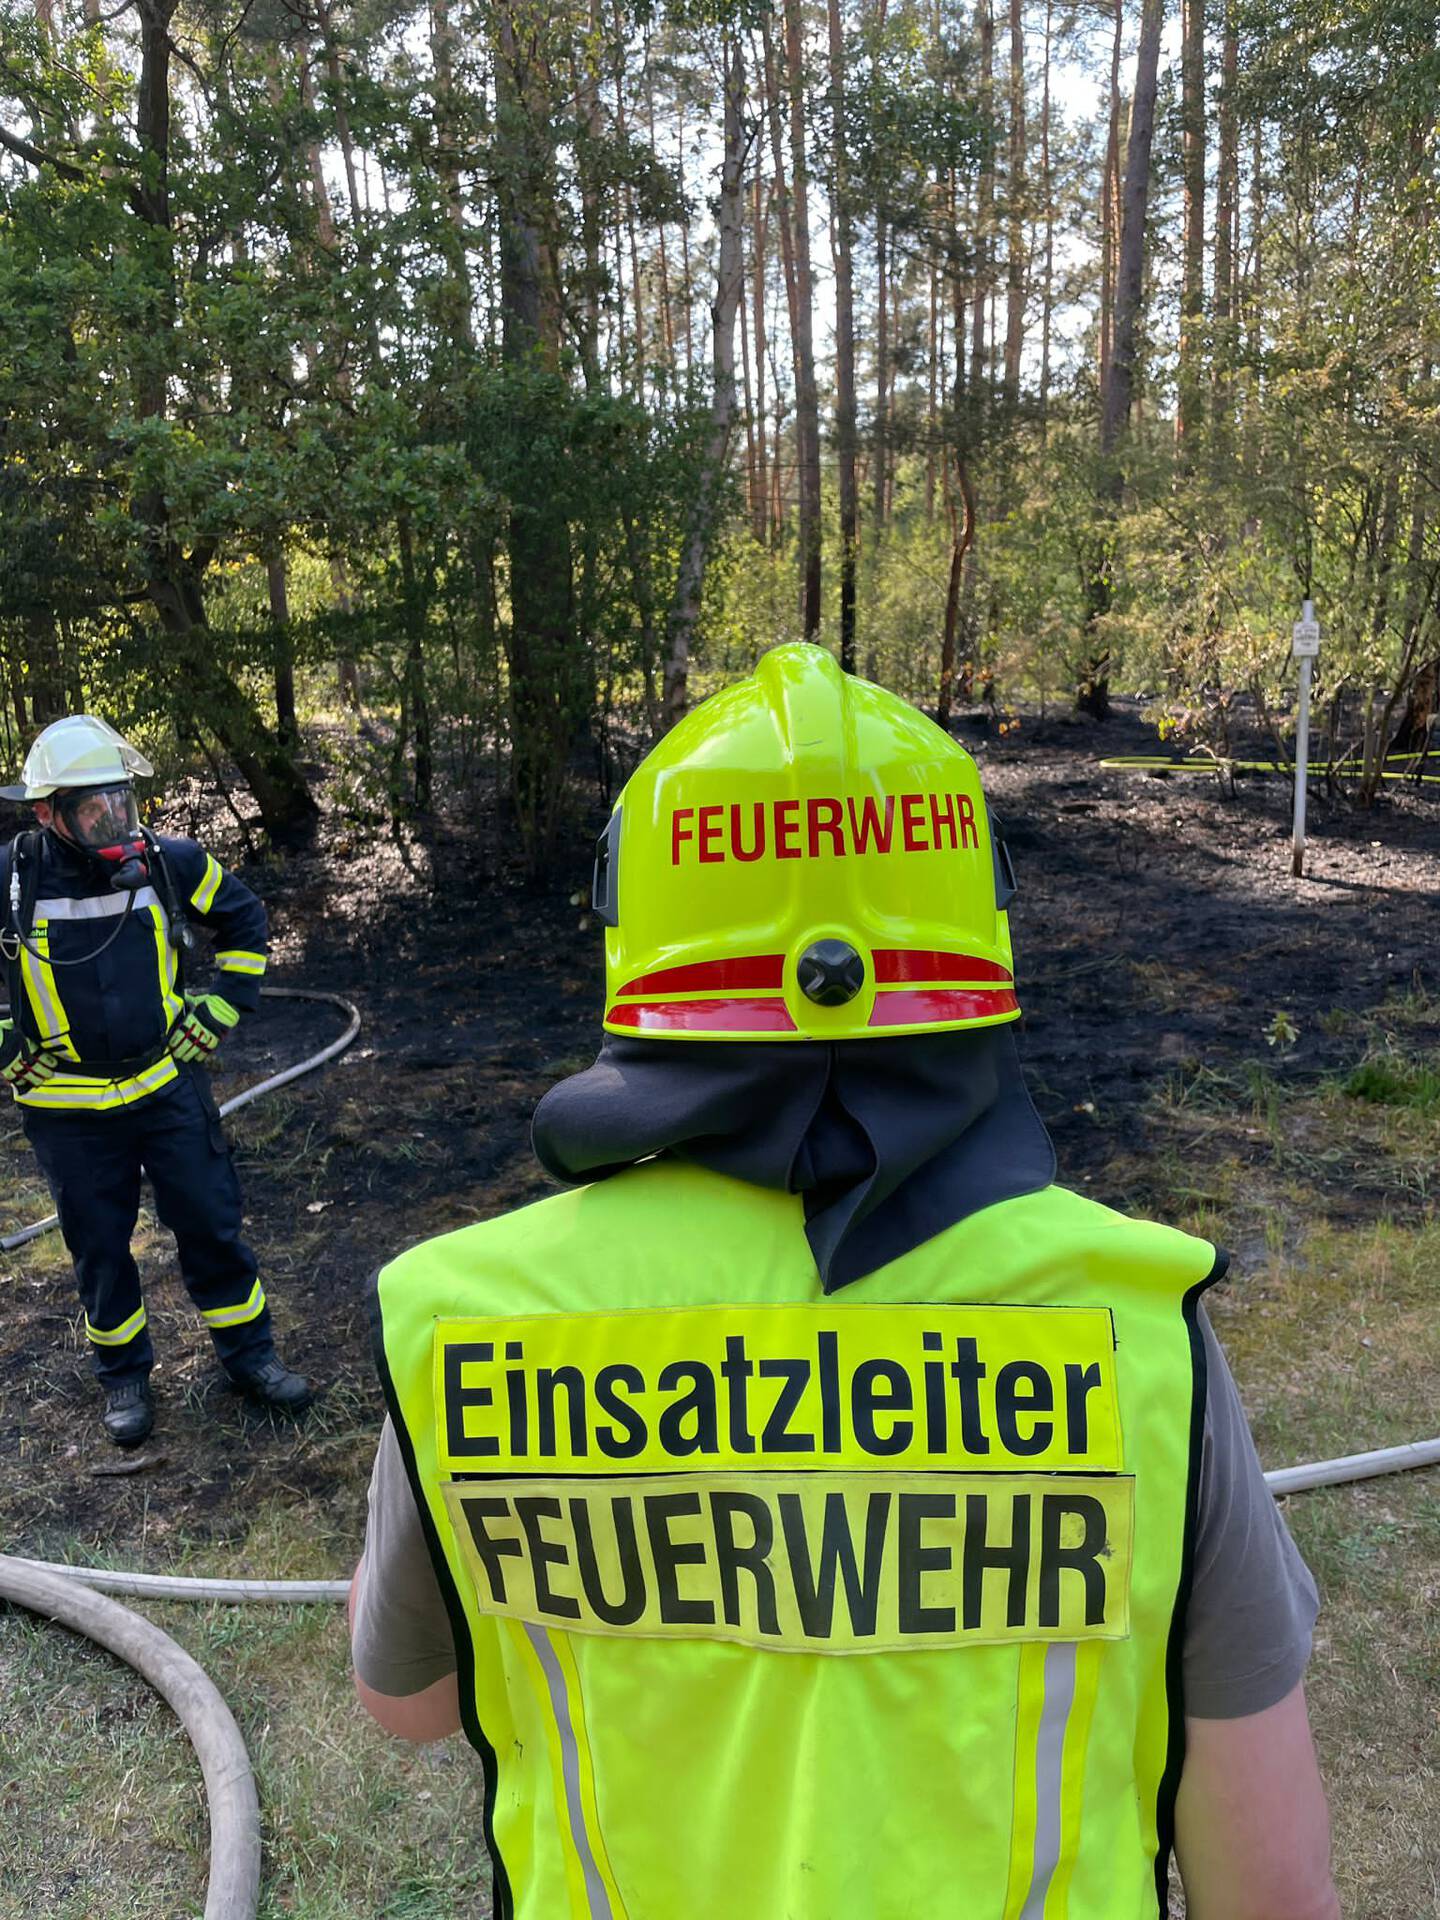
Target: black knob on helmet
(830, 973)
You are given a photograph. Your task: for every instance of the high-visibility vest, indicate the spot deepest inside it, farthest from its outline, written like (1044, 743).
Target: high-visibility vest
(775, 1605)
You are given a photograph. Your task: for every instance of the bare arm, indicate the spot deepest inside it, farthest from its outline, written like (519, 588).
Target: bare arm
(1252, 1827)
(431, 1714)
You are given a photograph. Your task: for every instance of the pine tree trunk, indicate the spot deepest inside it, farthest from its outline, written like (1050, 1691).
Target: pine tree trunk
(1134, 211)
(592, 215)
(984, 198)
(807, 404)
(843, 246)
(786, 225)
(760, 512)
(729, 286)
(752, 477)
(687, 278)
(1048, 190)
(1093, 694)
(447, 119)
(662, 263)
(414, 698)
(934, 376)
(962, 541)
(342, 118)
(1245, 325)
(1015, 261)
(546, 683)
(1110, 211)
(622, 134)
(1190, 386)
(1227, 199)
(287, 726)
(882, 372)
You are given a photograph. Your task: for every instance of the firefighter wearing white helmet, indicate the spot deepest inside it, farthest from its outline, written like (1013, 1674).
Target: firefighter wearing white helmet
(103, 1050)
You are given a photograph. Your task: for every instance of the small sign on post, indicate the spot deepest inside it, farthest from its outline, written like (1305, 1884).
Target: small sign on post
(1304, 647)
(1305, 637)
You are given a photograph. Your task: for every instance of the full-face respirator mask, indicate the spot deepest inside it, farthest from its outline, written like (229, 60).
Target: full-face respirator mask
(103, 822)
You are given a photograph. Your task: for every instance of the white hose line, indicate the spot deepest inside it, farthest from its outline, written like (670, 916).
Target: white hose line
(1354, 1466)
(10, 1241)
(234, 1887)
(169, 1586)
(174, 1586)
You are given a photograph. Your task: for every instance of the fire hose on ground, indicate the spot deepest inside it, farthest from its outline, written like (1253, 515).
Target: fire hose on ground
(74, 1596)
(234, 1886)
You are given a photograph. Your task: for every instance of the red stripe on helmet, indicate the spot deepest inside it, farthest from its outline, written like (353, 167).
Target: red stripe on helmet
(702, 1016)
(923, 963)
(713, 976)
(950, 1003)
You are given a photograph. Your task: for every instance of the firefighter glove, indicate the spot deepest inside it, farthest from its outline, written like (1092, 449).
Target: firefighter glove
(201, 1027)
(22, 1069)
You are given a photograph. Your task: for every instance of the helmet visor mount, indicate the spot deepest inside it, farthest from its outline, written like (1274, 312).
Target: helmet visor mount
(101, 820)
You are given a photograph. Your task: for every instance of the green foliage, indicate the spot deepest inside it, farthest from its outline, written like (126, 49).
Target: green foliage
(282, 425)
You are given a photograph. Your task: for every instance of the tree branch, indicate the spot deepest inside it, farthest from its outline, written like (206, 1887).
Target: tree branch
(37, 157)
(201, 554)
(187, 61)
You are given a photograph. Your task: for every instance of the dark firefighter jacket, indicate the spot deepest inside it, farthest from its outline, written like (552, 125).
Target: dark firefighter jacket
(104, 1010)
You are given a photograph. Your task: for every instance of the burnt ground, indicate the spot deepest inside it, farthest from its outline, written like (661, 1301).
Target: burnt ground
(1158, 932)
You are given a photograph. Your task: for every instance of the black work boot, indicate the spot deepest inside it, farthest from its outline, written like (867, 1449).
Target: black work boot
(129, 1413)
(272, 1384)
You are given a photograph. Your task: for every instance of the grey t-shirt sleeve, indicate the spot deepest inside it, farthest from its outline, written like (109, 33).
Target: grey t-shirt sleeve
(401, 1640)
(1252, 1602)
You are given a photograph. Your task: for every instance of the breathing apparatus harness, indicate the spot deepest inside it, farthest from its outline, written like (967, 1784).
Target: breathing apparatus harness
(132, 862)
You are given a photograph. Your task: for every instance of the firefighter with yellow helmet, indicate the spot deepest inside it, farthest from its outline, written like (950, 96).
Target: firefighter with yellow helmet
(103, 1049)
(817, 1510)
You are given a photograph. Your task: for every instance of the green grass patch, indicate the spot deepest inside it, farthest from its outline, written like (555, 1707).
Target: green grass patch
(1389, 1081)
(1324, 1187)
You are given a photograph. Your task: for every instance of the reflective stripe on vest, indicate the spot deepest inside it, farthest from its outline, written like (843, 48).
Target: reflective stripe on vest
(88, 1093)
(82, 1093)
(167, 962)
(782, 1605)
(52, 1028)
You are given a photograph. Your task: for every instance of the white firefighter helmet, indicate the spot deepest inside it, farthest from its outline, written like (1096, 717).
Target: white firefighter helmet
(79, 751)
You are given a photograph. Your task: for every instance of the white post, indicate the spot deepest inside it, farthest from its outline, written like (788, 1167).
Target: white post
(1304, 645)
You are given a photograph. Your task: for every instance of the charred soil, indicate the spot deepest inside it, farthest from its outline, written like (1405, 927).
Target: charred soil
(1160, 939)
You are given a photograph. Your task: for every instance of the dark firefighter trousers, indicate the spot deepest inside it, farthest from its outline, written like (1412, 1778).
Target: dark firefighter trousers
(93, 1163)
